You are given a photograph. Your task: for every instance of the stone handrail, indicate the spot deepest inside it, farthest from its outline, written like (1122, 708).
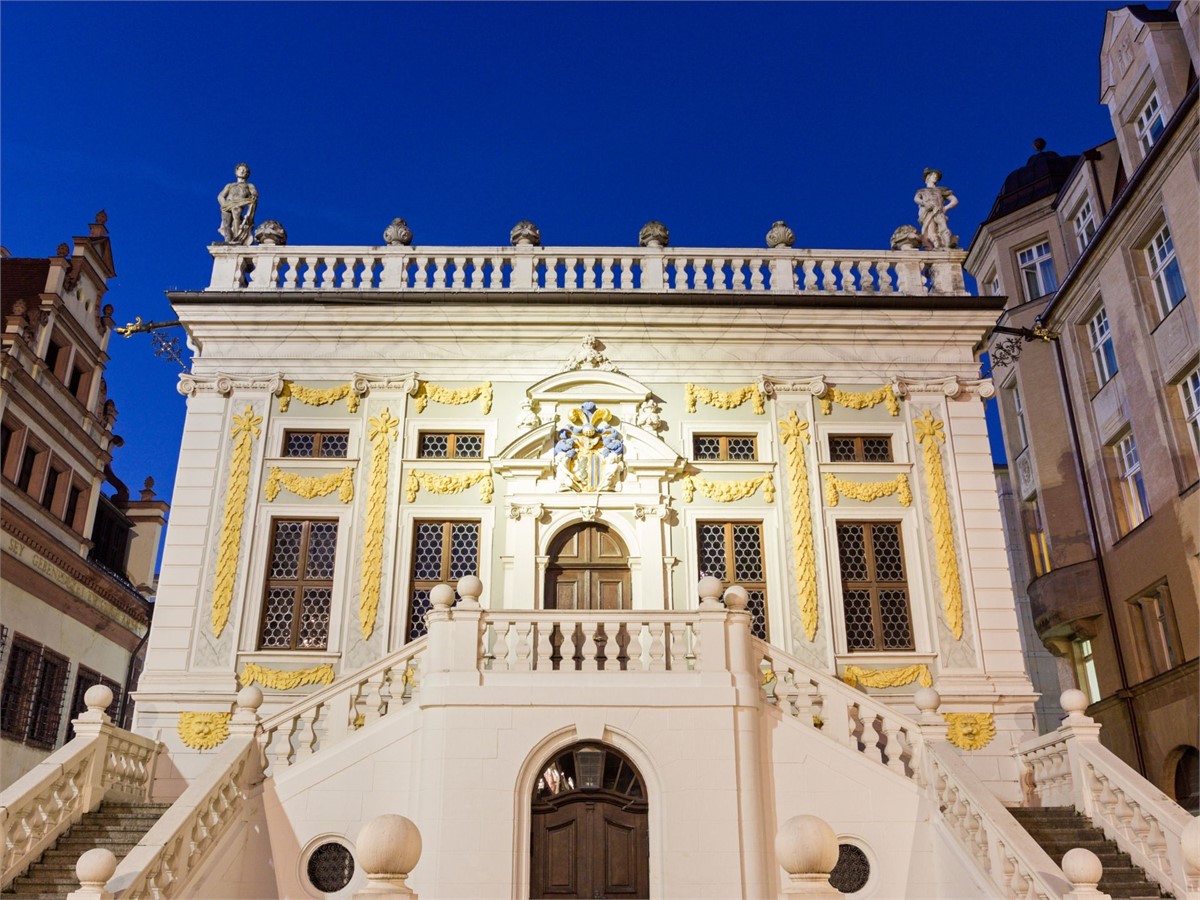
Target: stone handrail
(324, 717)
(606, 269)
(101, 760)
(612, 641)
(998, 844)
(845, 714)
(179, 844)
(1070, 767)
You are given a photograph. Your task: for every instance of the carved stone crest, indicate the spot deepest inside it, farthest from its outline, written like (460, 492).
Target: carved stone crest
(525, 234)
(271, 233)
(398, 233)
(589, 356)
(590, 453)
(654, 234)
(780, 236)
(906, 237)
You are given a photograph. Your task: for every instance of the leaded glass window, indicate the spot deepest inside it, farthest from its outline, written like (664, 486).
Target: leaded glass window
(317, 443)
(874, 586)
(298, 599)
(443, 552)
(448, 444)
(724, 447)
(869, 448)
(733, 552)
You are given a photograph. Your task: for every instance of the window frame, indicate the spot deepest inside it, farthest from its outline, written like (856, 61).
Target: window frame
(1161, 260)
(1018, 406)
(1100, 345)
(1152, 617)
(1087, 679)
(318, 436)
(1040, 561)
(39, 696)
(415, 584)
(452, 438)
(761, 624)
(859, 451)
(1131, 482)
(723, 439)
(1149, 113)
(1084, 223)
(1034, 272)
(1189, 391)
(298, 584)
(85, 679)
(873, 586)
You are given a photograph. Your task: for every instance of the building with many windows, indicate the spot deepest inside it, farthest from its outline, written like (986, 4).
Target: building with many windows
(1102, 421)
(78, 563)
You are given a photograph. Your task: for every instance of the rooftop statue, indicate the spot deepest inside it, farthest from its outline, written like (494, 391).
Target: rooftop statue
(238, 200)
(933, 203)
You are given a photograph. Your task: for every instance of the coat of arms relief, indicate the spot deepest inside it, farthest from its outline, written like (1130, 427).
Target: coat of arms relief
(589, 455)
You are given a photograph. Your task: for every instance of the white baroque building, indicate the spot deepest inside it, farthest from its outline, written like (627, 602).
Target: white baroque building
(592, 445)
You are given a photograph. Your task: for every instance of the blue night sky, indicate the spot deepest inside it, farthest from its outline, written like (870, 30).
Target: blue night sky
(588, 119)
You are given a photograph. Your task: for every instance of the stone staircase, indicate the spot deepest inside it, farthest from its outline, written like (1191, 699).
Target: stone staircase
(1060, 828)
(115, 826)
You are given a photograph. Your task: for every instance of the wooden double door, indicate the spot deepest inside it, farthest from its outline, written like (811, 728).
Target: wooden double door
(588, 569)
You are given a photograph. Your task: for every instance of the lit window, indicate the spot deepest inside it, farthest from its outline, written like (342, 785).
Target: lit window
(874, 586)
(1019, 413)
(1149, 125)
(1035, 530)
(1133, 486)
(1190, 389)
(870, 448)
(724, 447)
(1164, 272)
(1085, 669)
(443, 552)
(1085, 224)
(1100, 341)
(733, 552)
(1037, 269)
(299, 589)
(316, 443)
(444, 444)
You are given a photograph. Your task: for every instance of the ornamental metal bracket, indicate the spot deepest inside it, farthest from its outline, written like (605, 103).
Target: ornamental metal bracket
(1008, 351)
(164, 347)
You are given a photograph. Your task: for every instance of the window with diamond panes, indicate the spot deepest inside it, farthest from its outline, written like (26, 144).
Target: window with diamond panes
(299, 592)
(443, 552)
(733, 552)
(874, 588)
(868, 448)
(724, 447)
(35, 683)
(448, 444)
(317, 443)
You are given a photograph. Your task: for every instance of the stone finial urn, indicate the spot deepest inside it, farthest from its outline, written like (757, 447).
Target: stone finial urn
(271, 233)
(780, 236)
(906, 237)
(398, 233)
(525, 234)
(654, 234)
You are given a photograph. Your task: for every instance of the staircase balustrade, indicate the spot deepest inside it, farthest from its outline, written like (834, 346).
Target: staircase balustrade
(604, 269)
(1070, 767)
(101, 760)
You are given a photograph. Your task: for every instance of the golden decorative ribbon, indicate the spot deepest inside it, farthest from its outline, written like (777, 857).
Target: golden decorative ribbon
(448, 484)
(886, 678)
(453, 396)
(317, 396)
(284, 680)
(728, 491)
(381, 431)
(245, 430)
(795, 435)
(864, 400)
(930, 434)
(724, 399)
(866, 491)
(312, 486)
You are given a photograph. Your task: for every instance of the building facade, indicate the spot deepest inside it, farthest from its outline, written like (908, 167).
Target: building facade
(1102, 420)
(78, 565)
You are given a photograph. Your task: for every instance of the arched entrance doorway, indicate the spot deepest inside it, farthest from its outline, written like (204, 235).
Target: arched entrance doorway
(588, 569)
(590, 836)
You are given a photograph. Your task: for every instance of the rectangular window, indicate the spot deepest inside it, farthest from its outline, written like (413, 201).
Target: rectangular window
(1019, 413)
(1133, 487)
(29, 463)
(77, 385)
(299, 591)
(1085, 669)
(53, 476)
(1085, 225)
(733, 552)
(1190, 389)
(447, 444)
(1149, 125)
(724, 447)
(1154, 623)
(870, 448)
(874, 587)
(74, 495)
(1164, 272)
(85, 678)
(1035, 530)
(35, 682)
(443, 552)
(54, 354)
(1101, 343)
(993, 282)
(6, 440)
(316, 443)
(1037, 270)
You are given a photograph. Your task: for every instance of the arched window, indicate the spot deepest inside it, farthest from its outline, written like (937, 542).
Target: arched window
(1187, 780)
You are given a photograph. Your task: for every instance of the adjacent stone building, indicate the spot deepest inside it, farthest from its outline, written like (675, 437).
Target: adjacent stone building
(1102, 421)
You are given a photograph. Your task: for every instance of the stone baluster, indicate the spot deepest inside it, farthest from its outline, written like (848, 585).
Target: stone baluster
(279, 750)
(788, 693)
(848, 269)
(388, 849)
(829, 282)
(626, 263)
(289, 278)
(524, 648)
(590, 664)
(677, 646)
(496, 281)
(420, 278)
(719, 282)
(807, 849)
(607, 275)
(738, 274)
(883, 271)
(476, 264)
(545, 646)
(371, 705)
(589, 273)
(895, 746)
(329, 272)
(657, 662)
(756, 273)
(1190, 851)
(458, 278)
(810, 275)
(306, 733)
(439, 273)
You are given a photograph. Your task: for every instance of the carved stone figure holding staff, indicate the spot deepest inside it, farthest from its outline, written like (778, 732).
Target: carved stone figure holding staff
(238, 200)
(933, 203)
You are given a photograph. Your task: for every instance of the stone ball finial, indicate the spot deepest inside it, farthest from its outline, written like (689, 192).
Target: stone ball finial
(271, 234)
(1082, 867)
(1190, 846)
(710, 592)
(906, 237)
(927, 699)
(388, 848)
(736, 597)
(1073, 702)
(470, 589)
(441, 596)
(102, 218)
(525, 234)
(398, 233)
(806, 845)
(95, 867)
(63, 250)
(249, 698)
(654, 234)
(780, 236)
(98, 698)
(1039, 144)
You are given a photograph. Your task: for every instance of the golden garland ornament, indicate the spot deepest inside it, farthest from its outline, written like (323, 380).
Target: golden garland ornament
(312, 486)
(453, 397)
(317, 396)
(728, 491)
(245, 430)
(795, 435)
(448, 484)
(724, 399)
(865, 400)
(970, 731)
(866, 491)
(930, 433)
(203, 730)
(283, 680)
(381, 431)
(887, 678)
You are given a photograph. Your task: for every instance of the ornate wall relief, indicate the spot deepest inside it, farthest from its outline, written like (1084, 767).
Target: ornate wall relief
(311, 486)
(725, 399)
(203, 730)
(866, 491)
(320, 396)
(448, 484)
(453, 396)
(886, 678)
(728, 491)
(929, 432)
(245, 430)
(795, 436)
(284, 680)
(590, 453)
(381, 431)
(864, 400)
(970, 731)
